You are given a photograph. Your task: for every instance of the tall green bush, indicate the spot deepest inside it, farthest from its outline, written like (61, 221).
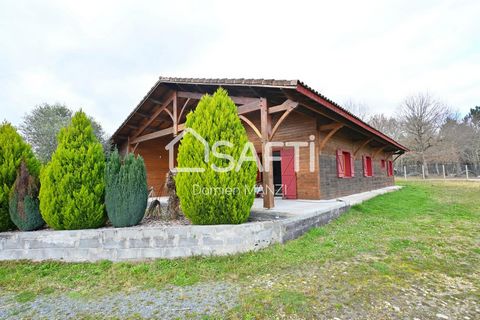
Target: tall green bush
(212, 197)
(23, 205)
(72, 184)
(126, 190)
(12, 151)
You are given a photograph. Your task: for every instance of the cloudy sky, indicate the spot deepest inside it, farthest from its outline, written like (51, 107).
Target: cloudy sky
(103, 56)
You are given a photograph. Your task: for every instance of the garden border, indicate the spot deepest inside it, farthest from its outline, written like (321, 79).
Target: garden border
(142, 243)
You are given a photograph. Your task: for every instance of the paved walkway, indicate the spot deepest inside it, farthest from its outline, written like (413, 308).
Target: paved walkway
(301, 207)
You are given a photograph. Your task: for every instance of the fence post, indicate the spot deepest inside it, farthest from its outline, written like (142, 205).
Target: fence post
(423, 172)
(466, 170)
(443, 166)
(405, 172)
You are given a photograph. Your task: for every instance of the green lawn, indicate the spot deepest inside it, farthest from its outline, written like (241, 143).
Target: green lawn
(404, 253)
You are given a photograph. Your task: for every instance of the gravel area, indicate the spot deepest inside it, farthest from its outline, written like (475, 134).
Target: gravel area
(195, 302)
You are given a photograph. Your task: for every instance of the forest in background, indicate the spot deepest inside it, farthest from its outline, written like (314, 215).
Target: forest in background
(437, 135)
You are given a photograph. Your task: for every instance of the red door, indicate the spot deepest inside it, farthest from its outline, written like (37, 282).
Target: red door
(289, 178)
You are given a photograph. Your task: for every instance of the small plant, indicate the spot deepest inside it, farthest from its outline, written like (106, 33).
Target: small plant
(12, 151)
(126, 190)
(24, 205)
(215, 119)
(72, 184)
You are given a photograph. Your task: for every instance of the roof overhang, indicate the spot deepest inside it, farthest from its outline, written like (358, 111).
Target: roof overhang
(272, 90)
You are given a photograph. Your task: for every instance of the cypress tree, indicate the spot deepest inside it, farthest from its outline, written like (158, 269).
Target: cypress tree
(72, 184)
(228, 195)
(12, 151)
(126, 189)
(23, 205)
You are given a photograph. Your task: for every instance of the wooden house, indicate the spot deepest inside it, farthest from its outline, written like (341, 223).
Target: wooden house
(348, 155)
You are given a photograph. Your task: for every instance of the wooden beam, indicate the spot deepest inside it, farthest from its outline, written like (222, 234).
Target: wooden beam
(288, 104)
(291, 107)
(329, 135)
(156, 101)
(330, 126)
(153, 135)
(398, 156)
(363, 144)
(375, 154)
(183, 109)
(249, 107)
(175, 115)
(170, 113)
(198, 96)
(154, 116)
(266, 127)
(142, 114)
(251, 125)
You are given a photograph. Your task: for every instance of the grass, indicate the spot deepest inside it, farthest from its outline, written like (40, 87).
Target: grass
(426, 232)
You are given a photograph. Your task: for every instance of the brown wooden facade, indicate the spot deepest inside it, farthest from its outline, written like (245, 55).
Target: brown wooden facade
(271, 110)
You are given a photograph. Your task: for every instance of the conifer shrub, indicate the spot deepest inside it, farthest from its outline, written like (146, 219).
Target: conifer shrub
(12, 151)
(24, 204)
(212, 197)
(126, 190)
(72, 184)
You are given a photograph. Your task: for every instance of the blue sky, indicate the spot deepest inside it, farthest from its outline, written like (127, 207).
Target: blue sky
(103, 56)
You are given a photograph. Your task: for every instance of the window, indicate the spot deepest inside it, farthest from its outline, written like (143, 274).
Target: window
(345, 164)
(382, 164)
(367, 166)
(390, 168)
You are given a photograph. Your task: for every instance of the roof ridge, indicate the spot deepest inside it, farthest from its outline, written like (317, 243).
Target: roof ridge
(246, 81)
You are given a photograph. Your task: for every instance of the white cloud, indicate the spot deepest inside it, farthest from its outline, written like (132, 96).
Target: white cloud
(104, 56)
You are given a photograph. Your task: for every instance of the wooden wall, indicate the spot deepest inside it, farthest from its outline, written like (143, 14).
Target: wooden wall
(320, 184)
(297, 127)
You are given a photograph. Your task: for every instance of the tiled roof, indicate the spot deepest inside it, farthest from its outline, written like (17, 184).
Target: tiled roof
(234, 81)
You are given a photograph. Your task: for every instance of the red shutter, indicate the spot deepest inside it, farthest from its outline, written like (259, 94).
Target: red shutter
(352, 164)
(365, 166)
(340, 164)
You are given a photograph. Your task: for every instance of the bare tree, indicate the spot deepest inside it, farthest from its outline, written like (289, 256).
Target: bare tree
(388, 125)
(360, 109)
(422, 116)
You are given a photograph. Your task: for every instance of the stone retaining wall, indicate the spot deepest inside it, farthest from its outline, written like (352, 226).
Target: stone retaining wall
(140, 243)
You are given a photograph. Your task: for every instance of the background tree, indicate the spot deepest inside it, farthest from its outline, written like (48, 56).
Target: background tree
(12, 151)
(126, 191)
(72, 183)
(41, 126)
(388, 125)
(215, 119)
(421, 116)
(359, 109)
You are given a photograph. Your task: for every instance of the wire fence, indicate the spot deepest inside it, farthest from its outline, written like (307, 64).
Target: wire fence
(438, 171)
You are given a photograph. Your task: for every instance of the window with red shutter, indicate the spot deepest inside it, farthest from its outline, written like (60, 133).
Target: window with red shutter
(390, 168)
(352, 165)
(382, 164)
(367, 166)
(340, 164)
(345, 164)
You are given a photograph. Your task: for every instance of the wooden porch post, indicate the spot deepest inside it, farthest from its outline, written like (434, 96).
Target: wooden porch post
(266, 128)
(175, 114)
